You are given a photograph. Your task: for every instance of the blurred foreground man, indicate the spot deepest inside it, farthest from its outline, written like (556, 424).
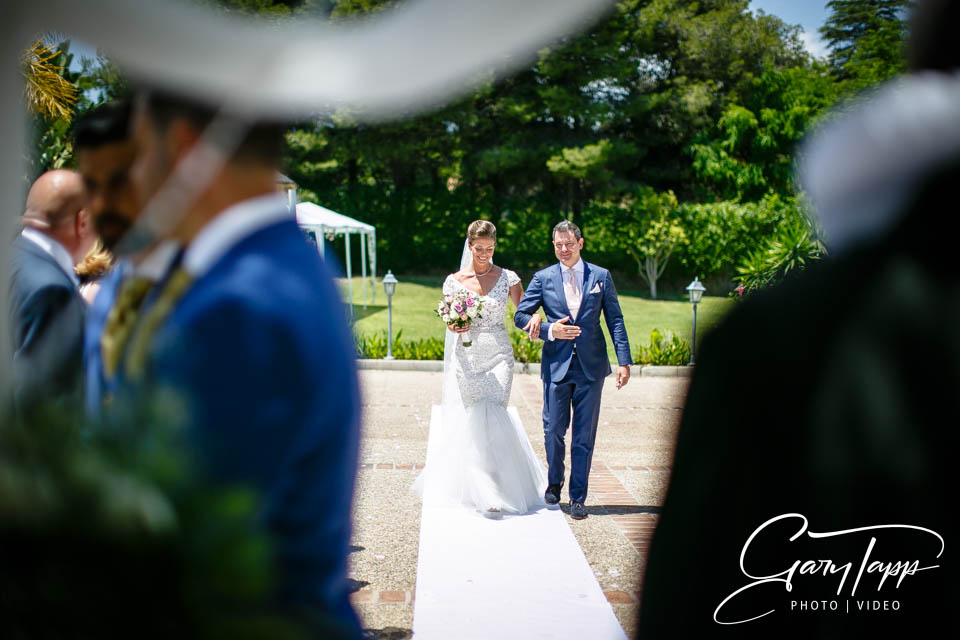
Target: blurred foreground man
(46, 308)
(247, 329)
(811, 489)
(105, 150)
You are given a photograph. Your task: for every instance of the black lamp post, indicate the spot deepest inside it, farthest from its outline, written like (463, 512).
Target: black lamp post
(695, 289)
(389, 287)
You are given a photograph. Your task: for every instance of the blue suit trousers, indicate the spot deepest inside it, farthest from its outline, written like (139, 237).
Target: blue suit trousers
(574, 391)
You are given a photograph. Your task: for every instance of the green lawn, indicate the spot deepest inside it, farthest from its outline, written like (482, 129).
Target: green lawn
(415, 302)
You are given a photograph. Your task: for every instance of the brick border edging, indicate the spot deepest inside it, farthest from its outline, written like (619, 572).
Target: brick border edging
(376, 596)
(518, 367)
(607, 490)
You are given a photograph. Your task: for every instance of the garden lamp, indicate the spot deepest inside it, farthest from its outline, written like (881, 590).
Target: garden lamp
(695, 289)
(389, 287)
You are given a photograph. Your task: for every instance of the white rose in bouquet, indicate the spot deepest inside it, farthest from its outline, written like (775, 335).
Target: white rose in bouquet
(459, 311)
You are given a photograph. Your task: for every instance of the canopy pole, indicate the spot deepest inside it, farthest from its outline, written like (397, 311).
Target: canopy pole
(373, 259)
(346, 236)
(363, 265)
(322, 242)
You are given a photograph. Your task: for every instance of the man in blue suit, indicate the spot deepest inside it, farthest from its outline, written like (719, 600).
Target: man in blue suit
(574, 362)
(247, 328)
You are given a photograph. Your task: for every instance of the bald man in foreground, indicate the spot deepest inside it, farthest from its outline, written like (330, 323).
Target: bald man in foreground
(46, 309)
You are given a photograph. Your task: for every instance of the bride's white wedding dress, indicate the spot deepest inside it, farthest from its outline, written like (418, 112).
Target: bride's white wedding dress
(478, 455)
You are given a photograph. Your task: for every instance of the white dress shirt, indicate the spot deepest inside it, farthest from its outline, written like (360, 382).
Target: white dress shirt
(229, 227)
(578, 274)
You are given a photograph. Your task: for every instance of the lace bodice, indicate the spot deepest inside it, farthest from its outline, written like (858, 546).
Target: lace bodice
(494, 302)
(484, 371)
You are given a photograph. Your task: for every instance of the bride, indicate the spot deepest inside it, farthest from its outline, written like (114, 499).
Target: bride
(478, 455)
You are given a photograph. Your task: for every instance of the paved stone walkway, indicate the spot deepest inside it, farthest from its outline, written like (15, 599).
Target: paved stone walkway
(627, 482)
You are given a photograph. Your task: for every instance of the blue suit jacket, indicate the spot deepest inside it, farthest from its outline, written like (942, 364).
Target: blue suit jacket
(546, 290)
(260, 350)
(46, 315)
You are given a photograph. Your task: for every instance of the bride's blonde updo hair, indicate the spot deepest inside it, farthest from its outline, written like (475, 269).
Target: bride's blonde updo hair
(481, 229)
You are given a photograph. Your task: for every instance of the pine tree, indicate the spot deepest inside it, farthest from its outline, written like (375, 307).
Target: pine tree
(866, 39)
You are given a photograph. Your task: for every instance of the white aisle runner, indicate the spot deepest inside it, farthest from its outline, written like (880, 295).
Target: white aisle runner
(516, 577)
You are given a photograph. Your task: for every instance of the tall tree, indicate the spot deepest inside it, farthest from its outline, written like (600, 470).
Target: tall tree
(595, 118)
(644, 226)
(866, 39)
(749, 151)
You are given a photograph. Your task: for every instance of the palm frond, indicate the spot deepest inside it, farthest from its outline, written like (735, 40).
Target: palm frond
(48, 93)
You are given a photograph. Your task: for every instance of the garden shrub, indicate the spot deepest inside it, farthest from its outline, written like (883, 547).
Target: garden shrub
(794, 246)
(666, 349)
(525, 349)
(374, 347)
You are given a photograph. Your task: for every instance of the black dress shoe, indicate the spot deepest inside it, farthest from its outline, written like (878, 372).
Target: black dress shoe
(552, 494)
(577, 510)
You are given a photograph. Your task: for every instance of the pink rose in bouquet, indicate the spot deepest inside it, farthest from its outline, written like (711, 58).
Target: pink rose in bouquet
(459, 310)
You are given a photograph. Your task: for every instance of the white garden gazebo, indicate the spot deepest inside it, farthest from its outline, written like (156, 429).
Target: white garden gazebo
(329, 224)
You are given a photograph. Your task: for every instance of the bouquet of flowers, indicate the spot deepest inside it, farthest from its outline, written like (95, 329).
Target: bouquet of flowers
(459, 310)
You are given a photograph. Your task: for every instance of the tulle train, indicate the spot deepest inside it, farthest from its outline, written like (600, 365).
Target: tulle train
(480, 458)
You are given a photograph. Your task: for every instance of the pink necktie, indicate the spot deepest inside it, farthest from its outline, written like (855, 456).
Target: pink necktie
(572, 290)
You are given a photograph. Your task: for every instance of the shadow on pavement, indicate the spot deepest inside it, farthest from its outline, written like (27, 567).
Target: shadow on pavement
(615, 509)
(356, 585)
(388, 633)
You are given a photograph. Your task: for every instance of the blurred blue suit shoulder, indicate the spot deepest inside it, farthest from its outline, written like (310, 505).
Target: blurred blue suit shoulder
(260, 349)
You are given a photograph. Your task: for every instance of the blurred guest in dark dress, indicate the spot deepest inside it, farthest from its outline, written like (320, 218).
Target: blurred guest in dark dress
(94, 266)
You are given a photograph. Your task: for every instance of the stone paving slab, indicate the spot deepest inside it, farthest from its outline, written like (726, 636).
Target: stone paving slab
(627, 483)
